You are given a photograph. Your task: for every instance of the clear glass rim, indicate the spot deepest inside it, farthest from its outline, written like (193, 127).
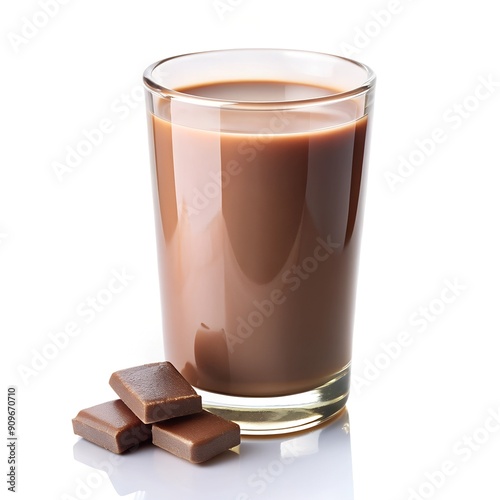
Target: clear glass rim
(168, 93)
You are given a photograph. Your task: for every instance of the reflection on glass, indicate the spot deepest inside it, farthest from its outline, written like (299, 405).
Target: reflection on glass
(313, 465)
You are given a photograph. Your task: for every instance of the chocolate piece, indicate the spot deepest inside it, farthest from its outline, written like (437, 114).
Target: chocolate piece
(196, 438)
(155, 392)
(112, 426)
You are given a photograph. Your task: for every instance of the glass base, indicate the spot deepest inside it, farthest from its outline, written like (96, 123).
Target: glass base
(281, 414)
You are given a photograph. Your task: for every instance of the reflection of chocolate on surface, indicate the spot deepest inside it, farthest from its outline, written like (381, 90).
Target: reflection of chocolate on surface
(211, 356)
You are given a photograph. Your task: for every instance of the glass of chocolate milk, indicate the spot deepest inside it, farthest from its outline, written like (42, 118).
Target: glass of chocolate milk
(259, 163)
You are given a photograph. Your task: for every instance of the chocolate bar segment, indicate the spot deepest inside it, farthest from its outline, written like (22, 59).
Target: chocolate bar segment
(112, 426)
(155, 392)
(196, 438)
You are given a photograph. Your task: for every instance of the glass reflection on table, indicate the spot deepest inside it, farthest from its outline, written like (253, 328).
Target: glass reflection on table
(312, 465)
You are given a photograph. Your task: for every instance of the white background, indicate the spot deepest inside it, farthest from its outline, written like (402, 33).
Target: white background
(61, 240)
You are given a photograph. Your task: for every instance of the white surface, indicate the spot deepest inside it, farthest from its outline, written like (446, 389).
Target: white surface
(60, 242)
(265, 469)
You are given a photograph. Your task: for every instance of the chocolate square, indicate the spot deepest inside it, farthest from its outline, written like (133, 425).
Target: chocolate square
(112, 426)
(198, 437)
(155, 392)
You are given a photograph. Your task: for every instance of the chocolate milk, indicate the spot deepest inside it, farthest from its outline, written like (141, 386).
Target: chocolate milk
(258, 240)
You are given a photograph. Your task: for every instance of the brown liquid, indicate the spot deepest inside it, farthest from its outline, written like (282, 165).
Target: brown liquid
(258, 239)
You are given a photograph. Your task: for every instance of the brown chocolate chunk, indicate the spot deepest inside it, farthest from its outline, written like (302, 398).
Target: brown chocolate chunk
(112, 426)
(198, 437)
(155, 392)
